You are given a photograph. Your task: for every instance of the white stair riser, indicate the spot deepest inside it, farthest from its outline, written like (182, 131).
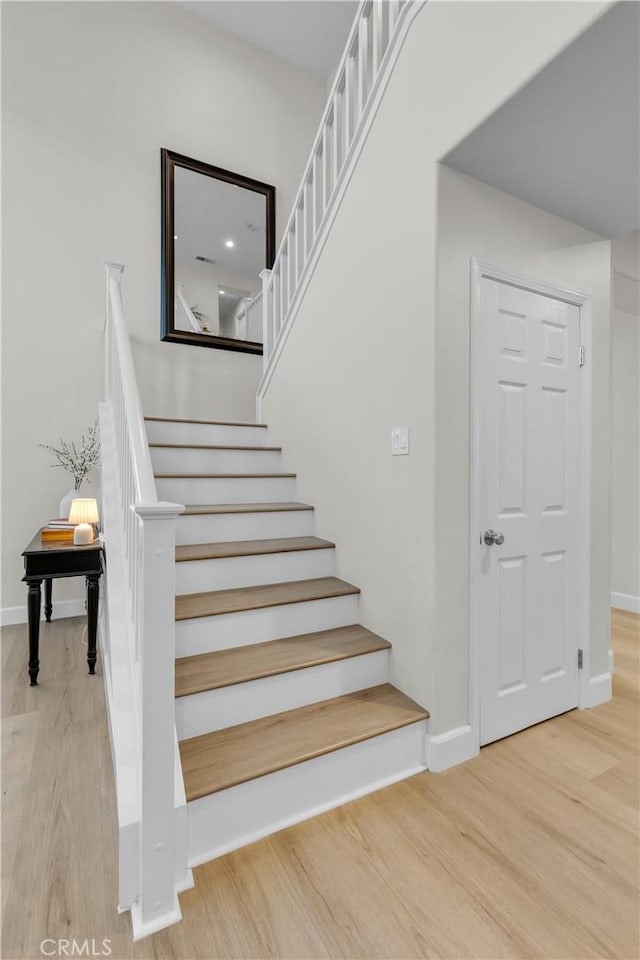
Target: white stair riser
(204, 634)
(241, 702)
(162, 431)
(226, 527)
(196, 576)
(233, 818)
(227, 489)
(191, 460)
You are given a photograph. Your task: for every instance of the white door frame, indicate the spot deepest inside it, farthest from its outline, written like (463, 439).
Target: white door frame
(481, 270)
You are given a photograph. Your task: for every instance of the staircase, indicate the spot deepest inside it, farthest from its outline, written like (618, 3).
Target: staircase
(283, 706)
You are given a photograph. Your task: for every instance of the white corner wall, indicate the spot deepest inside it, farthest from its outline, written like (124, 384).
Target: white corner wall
(91, 92)
(366, 351)
(625, 426)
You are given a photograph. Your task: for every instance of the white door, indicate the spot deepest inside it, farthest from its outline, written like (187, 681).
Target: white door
(528, 578)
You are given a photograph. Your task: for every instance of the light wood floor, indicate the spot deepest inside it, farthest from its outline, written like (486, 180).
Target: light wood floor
(530, 850)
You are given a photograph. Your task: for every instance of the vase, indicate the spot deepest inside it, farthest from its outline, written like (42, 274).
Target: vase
(65, 503)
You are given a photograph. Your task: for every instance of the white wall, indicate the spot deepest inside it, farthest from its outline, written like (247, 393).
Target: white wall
(366, 352)
(625, 425)
(91, 92)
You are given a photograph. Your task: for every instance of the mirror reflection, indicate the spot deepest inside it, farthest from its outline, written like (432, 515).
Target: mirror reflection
(218, 237)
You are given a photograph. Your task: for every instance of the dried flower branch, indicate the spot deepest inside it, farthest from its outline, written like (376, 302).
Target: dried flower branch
(80, 459)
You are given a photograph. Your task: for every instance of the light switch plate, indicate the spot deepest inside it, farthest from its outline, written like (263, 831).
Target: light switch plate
(399, 441)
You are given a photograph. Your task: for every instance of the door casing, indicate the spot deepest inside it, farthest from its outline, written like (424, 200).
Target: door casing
(481, 270)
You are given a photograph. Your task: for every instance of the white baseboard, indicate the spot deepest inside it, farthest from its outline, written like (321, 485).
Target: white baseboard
(61, 609)
(445, 750)
(625, 601)
(597, 690)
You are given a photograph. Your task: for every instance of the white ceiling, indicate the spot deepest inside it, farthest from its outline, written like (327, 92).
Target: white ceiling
(308, 34)
(569, 141)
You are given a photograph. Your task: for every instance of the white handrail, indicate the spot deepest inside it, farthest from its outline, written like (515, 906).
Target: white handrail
(372, 46)
(138, 639)
(120, 366)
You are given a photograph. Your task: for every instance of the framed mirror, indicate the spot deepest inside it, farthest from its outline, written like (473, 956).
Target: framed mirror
(218, 233)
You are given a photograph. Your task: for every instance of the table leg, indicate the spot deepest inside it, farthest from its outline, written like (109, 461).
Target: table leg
(93, 596)
(33, 605)
(48, 606)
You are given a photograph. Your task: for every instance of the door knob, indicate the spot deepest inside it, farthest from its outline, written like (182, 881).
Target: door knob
(491, 537)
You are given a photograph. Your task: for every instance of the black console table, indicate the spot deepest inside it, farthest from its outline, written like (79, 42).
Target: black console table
(48, 561)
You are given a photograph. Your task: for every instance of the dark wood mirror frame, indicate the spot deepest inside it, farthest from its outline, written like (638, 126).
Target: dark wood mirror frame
(170, 161)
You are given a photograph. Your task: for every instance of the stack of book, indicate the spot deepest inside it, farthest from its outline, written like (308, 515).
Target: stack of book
(58, 529)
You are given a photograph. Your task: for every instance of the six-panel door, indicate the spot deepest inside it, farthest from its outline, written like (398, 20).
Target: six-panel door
(526, 370)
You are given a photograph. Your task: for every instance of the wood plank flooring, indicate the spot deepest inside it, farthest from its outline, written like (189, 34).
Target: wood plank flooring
(528, 851)
(209, 671)
(215, 761)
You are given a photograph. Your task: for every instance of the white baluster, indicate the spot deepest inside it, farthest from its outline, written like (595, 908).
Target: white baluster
(326, 172)
(363, 44)
(288, 275)
(335, 128)
(267, 345)
(393, 8)
(377, 15)
(296, 247)
(314, 200)
(305, 224)
(348, 103)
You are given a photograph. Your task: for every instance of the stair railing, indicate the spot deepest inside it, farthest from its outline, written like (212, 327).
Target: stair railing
(253, 313)
(138, 643)
(184, 315)
(371, 50)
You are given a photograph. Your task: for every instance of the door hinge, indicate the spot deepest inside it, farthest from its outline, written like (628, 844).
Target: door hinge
(580, 660)
(581, 356)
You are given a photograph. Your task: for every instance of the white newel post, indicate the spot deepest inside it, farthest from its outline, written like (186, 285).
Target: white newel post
(267, 346)
(159, 871)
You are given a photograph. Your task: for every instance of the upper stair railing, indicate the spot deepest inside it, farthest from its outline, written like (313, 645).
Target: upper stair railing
(184, 315)
(250, 320)
(371, 50)
(138, 643)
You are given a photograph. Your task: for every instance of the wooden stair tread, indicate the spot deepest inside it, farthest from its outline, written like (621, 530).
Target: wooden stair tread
(225, 758)
(222, 476)
(215, 423)
(223, 668)
(213, 602)
(249, 548)
(196, 509)
(213, 446)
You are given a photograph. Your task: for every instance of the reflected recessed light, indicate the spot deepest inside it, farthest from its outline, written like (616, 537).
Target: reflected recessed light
(229, 243)
(222, 292)
(175, 236)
